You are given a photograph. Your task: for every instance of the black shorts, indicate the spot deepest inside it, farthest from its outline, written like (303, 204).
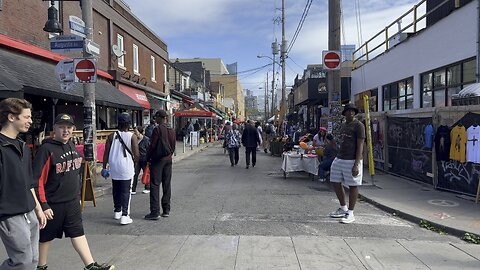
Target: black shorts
(67, 218)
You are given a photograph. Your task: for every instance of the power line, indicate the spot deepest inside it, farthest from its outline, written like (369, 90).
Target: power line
(300, 24)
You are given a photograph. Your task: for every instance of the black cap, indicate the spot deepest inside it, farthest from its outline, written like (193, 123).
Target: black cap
(161, 114)
(349, 106)
(124, 118)
(64, 118)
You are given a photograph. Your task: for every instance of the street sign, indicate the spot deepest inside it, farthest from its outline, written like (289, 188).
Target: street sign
(66, 44)
(65, 74)
(92, 47)
(85, 70)
(331, 60)
(77, 26)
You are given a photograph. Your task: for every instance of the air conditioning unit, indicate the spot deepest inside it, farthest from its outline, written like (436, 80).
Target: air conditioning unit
(397, 39)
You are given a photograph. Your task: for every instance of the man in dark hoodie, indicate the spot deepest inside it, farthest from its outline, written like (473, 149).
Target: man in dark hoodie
(19, 208)
(56, 167)
(159, 155)
(250, 140)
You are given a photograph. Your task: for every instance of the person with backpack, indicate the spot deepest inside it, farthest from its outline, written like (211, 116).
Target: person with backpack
(149, 129)
(160, 152)
(143, 145)
(121, 154)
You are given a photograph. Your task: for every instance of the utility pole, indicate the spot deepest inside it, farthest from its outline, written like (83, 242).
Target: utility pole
(89, 119)
(333, 76)
(274, 53)
(283, 55)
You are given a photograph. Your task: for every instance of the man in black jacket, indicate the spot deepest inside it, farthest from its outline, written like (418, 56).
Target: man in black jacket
(56, 167)
(159, 155)
(19, 207)
(250, 140)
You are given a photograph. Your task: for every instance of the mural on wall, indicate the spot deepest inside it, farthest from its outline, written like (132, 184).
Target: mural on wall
(410, 142)
(377, 130)
(457, 176)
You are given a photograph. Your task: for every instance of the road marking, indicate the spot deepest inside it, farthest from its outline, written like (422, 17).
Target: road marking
(364, 219)
(445, 203)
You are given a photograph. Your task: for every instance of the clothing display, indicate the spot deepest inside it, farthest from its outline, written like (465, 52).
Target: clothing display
(442, 143)
(428, 135)
(458, 138)
(473, 144)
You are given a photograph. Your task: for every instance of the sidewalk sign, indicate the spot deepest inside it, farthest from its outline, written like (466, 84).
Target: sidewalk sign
(87, 185)
(194, 138)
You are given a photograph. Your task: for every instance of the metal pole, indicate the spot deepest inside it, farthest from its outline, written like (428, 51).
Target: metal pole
(89, 121)
(333, 76)
(478, 44)
(283, 56)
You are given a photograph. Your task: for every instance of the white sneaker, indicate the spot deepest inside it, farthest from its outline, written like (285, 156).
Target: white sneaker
(133, 192)
(146, 191)
(348, 218)
(338, 214)
(124, 220)
(117, 215)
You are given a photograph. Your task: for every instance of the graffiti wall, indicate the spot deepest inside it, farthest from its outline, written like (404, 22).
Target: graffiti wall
(459, 177)
(410, 147)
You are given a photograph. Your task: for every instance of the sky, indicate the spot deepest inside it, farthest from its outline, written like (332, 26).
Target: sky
(239, 30)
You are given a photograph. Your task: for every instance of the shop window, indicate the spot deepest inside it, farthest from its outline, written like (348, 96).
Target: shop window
(469, 71)
(399, 95)
(112, 118)
(152, 68)
(440, 85)
(136, 64)
(121, 59)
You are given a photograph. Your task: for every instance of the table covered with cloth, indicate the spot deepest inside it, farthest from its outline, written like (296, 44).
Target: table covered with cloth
(293, 162)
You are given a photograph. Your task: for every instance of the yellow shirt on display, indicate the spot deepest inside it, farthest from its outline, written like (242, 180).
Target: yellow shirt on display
(458, 137)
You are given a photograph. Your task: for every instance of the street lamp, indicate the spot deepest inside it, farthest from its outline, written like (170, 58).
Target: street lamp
(273, 79)
(53, 25)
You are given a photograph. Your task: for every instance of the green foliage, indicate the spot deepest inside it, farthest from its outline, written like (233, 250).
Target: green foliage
(427, 225)
(471, 238)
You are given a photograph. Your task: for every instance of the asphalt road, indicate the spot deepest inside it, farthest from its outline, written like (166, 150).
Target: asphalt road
(209, 197)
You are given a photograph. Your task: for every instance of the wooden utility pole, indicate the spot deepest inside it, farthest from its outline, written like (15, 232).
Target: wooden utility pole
(283, 55)
(333, 76)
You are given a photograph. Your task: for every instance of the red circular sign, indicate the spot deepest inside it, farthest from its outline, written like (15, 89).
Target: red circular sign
(331, 60)
(85, 70)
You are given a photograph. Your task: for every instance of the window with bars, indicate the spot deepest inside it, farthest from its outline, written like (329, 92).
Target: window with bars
(438, 86)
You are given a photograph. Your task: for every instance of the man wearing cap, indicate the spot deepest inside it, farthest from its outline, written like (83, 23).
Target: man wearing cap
(347, 168)
(56, 167)
(121, 153)
(162, 147)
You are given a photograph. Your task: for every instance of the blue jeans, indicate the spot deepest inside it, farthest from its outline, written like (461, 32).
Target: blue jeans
(324, 166)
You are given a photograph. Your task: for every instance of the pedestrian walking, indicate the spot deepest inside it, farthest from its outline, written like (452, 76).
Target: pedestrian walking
(233, 141)
(121, 154)
(189, 129)
(149, 129)
(56, 169)
(21, 215)
(143, 145)
(250, 140)
(258, 126)
(329, 154)
(269, 135)
(347, 167)
(159, 155)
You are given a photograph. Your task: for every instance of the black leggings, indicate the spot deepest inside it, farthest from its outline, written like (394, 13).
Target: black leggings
(121, 196)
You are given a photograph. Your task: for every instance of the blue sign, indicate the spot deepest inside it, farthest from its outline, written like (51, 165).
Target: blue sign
(77, 26)
(66, 44)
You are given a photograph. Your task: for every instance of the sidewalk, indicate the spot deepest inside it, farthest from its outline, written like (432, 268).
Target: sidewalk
(104, 187)
(455, 214)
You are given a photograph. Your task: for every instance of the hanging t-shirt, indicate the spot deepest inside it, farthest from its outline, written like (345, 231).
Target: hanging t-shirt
(473, 144)
(428, 133)
(442, 143)
(458, 138)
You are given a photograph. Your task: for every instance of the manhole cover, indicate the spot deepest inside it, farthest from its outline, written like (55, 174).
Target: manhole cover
(445, 203)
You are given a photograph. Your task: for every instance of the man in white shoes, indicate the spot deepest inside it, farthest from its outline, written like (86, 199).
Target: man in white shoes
(121, 154)
(347, 168)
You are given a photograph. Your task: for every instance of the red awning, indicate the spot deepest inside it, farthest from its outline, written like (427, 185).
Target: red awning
(138, 95)
(195, 113)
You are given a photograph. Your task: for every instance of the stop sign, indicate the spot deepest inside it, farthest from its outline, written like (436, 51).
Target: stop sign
(331, 60)
(85, 70)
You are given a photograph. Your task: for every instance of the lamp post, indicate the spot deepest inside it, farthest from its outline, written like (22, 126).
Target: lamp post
(274, 62)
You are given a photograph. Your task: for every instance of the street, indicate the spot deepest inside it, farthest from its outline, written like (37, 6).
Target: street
(234, 218)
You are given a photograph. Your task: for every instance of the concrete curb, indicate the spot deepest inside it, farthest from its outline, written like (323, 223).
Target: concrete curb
(413, 218)
(107, 190)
